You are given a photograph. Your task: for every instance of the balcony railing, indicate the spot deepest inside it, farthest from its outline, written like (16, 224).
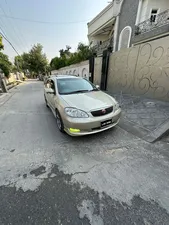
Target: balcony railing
(148, 25)
(99, 48)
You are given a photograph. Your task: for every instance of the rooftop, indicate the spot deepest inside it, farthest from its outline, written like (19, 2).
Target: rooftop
(101, 13)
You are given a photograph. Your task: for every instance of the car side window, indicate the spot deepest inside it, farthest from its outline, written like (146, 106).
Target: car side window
(48, 84)
(52, 85)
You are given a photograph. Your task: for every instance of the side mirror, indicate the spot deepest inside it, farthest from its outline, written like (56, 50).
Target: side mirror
(97, 86)
(49, 91)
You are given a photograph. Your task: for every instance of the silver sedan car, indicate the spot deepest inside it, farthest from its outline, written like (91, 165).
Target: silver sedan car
(79, 106)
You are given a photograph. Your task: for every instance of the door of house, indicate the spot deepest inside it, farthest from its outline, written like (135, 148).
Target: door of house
(105, 67)
(91, 69)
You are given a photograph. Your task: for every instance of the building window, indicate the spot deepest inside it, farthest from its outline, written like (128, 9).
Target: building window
(125, 37)
(153, 16)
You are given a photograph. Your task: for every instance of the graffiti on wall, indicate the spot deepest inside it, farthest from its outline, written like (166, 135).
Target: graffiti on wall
(152, 72)
(81, 69)
(141, 70)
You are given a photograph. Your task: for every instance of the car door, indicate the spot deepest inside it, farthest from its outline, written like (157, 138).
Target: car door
(52, 97)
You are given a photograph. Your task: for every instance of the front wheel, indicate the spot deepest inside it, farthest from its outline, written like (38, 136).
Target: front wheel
(59, 122)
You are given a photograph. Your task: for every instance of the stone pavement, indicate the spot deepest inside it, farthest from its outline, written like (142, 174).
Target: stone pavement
(144, 117)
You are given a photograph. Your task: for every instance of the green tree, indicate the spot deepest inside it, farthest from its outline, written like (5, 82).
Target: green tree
(5, 64)
(67, 58)
(57, 63)
(1, 43)
(22, 62)
(26, 65)
(36, 60)
(62, 53)
(84, 52)
(65, 53)
(73, 59)
(18, 62)
(14, 69)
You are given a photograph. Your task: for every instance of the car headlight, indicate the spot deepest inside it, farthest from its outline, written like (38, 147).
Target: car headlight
(76, 113)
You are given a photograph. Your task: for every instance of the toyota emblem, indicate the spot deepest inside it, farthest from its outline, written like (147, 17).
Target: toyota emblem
(103, 111)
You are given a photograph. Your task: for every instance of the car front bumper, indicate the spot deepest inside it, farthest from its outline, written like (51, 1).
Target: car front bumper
(90, 125)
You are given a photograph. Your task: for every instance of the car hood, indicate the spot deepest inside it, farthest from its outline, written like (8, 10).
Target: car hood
(89, 101)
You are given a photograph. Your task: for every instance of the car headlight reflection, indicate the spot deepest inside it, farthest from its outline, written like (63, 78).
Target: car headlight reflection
(75, 113)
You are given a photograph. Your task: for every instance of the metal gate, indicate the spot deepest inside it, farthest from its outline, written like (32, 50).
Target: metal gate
(105, 67)
(91, 69)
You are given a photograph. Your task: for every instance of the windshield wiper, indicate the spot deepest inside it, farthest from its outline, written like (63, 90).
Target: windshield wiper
(78, 91)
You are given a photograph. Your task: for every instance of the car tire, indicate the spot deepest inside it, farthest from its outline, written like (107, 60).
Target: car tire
(59, 122)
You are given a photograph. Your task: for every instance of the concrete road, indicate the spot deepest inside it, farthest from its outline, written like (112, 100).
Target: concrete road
(112, 178)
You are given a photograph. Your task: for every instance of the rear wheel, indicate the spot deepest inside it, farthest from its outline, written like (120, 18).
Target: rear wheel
(59, 122)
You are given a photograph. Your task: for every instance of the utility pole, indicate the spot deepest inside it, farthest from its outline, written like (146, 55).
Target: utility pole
(17, 69)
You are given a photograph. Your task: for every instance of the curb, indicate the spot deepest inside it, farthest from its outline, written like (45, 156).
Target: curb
(146, 135)
(133, 128)
(5, 97)
(13, 85)
(8, 95)
(158, 132)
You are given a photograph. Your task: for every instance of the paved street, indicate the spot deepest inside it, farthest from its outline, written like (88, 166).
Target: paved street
(111, 178)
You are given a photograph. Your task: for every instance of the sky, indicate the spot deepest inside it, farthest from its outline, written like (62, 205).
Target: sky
(61, 23)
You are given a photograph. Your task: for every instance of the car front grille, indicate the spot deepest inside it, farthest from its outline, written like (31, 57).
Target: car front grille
(102, 112)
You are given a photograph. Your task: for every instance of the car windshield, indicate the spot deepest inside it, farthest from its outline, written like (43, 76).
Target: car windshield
(74, 85)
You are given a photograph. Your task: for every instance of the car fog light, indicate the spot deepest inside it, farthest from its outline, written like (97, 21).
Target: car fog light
(74, 130)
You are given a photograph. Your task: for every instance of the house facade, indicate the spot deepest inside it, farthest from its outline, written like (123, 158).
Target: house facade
(124, 23)
(152, 20)
(102, 30)
(142, 69)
